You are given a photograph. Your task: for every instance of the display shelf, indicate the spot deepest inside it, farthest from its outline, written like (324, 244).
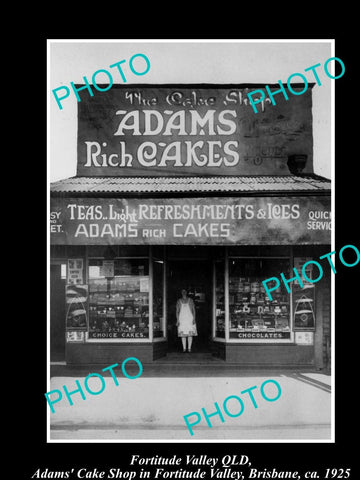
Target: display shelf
(250, 309)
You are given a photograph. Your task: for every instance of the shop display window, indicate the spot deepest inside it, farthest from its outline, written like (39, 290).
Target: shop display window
(220, 299)
(252, 314)
(119, 298)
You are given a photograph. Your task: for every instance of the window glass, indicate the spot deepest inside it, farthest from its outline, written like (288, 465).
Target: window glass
(259, 251)
(158, 298)
(252, 314)
(220, 299)
(118, 298)
(58, 251)
(189, 251)
(244, 250)
(112, 251)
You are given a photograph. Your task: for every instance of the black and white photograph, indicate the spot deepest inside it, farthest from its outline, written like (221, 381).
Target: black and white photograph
(191, 241)
(197, 253)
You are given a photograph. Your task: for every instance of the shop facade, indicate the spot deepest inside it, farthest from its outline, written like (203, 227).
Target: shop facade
(185, 187)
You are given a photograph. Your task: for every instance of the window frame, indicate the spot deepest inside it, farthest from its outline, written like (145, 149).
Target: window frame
(247, 341)
(123, 340)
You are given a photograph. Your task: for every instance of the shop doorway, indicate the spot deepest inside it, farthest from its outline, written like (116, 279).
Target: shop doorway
(195, 276)
(57, 313)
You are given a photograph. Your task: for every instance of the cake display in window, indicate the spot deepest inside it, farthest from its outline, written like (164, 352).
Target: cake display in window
(118, 306)
(251, 311)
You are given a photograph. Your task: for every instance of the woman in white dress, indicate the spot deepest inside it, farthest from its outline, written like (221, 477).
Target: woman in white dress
(185, 316)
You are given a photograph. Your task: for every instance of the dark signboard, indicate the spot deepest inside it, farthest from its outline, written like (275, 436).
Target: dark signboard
(260, 335)
(223, 221)
(185, 130)
(117, 335)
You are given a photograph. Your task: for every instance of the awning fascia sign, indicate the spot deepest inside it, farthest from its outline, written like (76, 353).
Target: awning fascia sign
(191, 221)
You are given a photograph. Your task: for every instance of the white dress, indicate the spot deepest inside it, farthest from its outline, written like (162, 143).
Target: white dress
(186, 327)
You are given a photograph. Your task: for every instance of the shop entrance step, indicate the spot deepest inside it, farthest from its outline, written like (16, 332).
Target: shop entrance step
(188, 358)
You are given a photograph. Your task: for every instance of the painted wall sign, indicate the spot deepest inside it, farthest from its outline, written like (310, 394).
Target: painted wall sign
(184, 130)
(247, 221)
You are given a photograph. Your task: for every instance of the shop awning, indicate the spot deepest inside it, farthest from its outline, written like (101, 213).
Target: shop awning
(260, 210)
(310, 183)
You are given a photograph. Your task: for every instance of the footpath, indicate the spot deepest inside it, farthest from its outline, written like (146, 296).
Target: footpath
(152, 407)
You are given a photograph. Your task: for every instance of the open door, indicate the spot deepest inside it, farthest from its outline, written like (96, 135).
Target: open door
(195, 276)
